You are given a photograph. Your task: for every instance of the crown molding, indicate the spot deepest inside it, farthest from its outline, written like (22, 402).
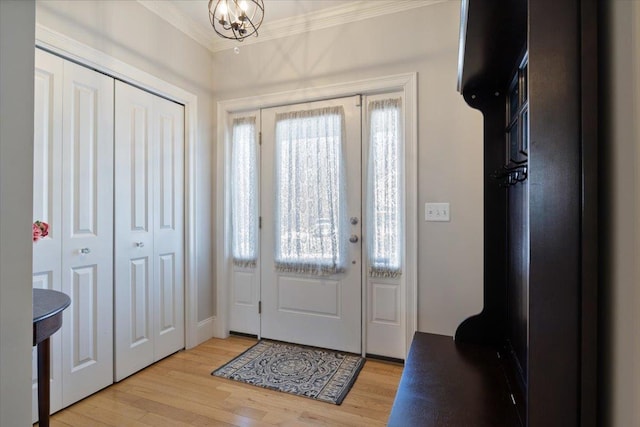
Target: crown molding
(174, 16)
(325, 18)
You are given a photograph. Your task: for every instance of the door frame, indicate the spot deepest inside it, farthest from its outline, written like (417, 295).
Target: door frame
(405, 83)
(66, 47)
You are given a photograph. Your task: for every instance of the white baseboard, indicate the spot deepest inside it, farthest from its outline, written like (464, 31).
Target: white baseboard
(219, 329)
(205, 330)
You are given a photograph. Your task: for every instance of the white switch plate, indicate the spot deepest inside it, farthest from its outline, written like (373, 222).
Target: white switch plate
(436, 212)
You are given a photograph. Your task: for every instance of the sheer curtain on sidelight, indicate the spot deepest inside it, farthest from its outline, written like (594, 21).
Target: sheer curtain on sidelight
(310, 205)
(244, 182)
(383, 188)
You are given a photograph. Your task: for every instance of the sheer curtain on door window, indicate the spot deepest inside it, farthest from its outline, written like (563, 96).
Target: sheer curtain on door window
(310, 205)
(244, 182)
(383, 189)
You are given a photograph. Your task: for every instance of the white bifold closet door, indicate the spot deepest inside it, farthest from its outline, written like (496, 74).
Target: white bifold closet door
(87, 231)
(47, 207)
(149, 224)
(73, 192)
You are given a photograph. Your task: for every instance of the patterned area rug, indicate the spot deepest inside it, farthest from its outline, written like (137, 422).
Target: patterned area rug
(319, 374)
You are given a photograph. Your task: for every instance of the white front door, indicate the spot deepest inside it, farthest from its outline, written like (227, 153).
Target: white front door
(311, 224)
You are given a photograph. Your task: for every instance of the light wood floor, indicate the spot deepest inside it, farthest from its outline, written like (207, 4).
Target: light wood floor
(180, 391)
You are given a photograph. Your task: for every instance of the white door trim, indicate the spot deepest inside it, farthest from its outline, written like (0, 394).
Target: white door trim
(195, 332)
(407, 83)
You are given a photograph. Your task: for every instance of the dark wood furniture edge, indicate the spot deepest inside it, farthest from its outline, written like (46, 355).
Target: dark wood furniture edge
(48, 306)
(445, 383)
(495, 34)
(590, 102)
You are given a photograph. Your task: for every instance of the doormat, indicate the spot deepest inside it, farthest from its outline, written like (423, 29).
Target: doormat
(311, 372)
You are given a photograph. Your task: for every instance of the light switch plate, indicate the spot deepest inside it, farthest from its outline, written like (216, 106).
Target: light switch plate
(437, 212)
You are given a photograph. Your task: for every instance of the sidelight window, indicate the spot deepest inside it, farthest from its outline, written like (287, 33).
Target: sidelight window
(383, 188)
(244, 183)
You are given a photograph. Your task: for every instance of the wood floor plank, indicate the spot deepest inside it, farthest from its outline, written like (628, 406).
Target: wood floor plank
(72, 418)
(180, 391)
(155, 420)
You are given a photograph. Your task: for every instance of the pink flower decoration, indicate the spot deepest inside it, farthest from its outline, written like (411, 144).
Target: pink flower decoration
(37, 233)
(40, 229)
(44, 228)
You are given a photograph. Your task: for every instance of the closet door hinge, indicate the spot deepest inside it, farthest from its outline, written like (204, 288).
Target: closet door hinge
(259, 222)
(259, 307)
(260, 138)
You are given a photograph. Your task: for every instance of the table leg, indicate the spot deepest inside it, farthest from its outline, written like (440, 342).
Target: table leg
(43, 383)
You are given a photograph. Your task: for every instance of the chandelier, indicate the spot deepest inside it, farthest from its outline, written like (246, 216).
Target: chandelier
(236, 19)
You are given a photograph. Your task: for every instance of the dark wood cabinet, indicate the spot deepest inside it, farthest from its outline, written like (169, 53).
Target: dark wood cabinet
(541, 269)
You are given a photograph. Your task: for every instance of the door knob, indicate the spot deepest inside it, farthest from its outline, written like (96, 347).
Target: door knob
(140, 244)
(85, 251)
(353, 220)
(353, 238)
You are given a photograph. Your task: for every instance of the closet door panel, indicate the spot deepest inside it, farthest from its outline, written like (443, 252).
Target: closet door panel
(134, 310)
(84, 288)
(87, 231)
(169, 227)
(47, 273)
(47, 146)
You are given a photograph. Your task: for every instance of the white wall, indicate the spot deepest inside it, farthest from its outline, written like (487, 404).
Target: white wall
(423, 40)
(450, 255)
(620, 221)
(17, 33)
(131, 33)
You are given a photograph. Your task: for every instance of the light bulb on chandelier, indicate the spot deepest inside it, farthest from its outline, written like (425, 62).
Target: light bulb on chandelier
(236, 19)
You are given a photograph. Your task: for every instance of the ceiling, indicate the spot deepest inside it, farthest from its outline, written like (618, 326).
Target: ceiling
(275, 9)
(282, 17)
